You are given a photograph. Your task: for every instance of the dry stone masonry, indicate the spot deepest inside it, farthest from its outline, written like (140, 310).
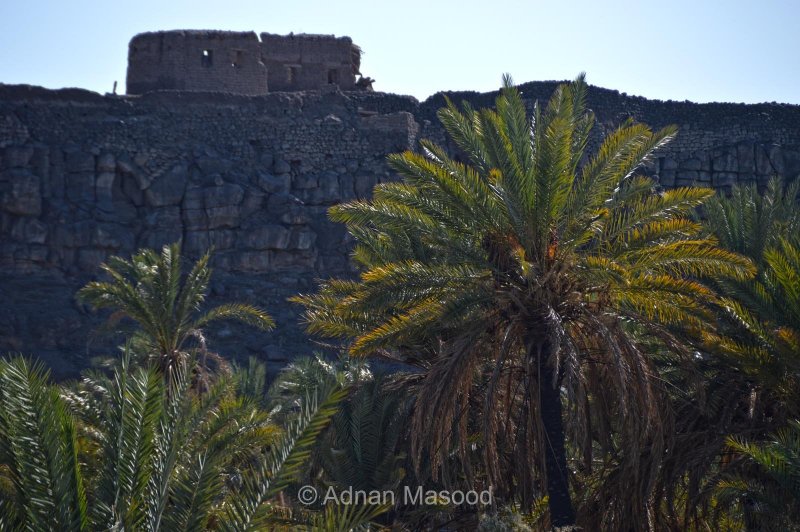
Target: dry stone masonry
(84, 176)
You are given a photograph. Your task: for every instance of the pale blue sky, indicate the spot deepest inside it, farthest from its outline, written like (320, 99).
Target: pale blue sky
(742, 51)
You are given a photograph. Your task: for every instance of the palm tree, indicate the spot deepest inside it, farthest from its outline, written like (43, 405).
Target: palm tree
(743, 380)
(361, 447)
(769, 482)
(151, 290)
(41, 485)
(512, 282)
(749, 221)
(130, 451)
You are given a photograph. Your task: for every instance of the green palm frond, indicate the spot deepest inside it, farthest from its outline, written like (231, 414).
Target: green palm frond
(248, 511)
(530, 256)
(347, 518)
(39, 450)
(151, 290)
(749, 222)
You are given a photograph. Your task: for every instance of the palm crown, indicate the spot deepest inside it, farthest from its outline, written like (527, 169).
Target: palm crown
(151, 290)
(529, 263)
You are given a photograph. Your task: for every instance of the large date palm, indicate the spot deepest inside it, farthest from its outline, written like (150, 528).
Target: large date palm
(512, 282)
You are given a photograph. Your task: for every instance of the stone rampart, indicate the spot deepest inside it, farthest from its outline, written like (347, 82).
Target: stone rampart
(84, 176)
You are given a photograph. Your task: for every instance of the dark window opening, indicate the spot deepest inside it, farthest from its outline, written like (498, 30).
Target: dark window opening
(236, 58)
(207, 58)
(291, 74)
(333, 77)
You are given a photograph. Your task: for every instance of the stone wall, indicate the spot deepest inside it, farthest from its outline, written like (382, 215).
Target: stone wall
(224, 61)
(718, 144)
(308, 62)
(83, 176)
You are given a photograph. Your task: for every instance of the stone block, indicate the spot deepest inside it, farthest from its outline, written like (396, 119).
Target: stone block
(266, 160)
(126, 166)
(763, 164)
(223, 217)
(746, 157)
(193, 198)
(225, 195)
(80, 188)
(253, 202)
(267, 237)
(214, 165)
(55, 179)
(195, 243)
(106, 162)
(79, 161)
(791, 164)
(668, 163)
(23, 195)
(17, 156)
(222, 239)
(305, 181)
(195, 219)
(89, 260)
(104, 189)
(726, 162)
(113, 236)
(253, 261)
(295, 216)
(168, 188)
(280, 204)
(293, 260)
(274, 183)
(281, 166)
(347, 187)
(29, 230)
(164, 218)
(776, 159)
(691, 164)
(74, 235)
(302, 239)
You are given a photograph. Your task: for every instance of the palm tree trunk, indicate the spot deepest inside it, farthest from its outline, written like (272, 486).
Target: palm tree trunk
(560, 504)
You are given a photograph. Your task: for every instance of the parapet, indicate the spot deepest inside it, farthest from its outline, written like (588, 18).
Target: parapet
(240, 62)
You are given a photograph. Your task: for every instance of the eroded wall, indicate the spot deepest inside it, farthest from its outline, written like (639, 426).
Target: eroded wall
(224, 61)
(308, 62)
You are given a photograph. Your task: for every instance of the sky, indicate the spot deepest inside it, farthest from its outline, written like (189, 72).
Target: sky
(730, 51)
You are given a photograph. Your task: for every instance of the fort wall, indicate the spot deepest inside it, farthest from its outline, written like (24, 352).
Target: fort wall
(223, 61)
(240, 62)
(84, 176)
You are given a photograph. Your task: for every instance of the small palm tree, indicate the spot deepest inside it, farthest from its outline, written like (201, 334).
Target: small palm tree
(512, 283)
(749, 222)
(151, 290)
(361, 448)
